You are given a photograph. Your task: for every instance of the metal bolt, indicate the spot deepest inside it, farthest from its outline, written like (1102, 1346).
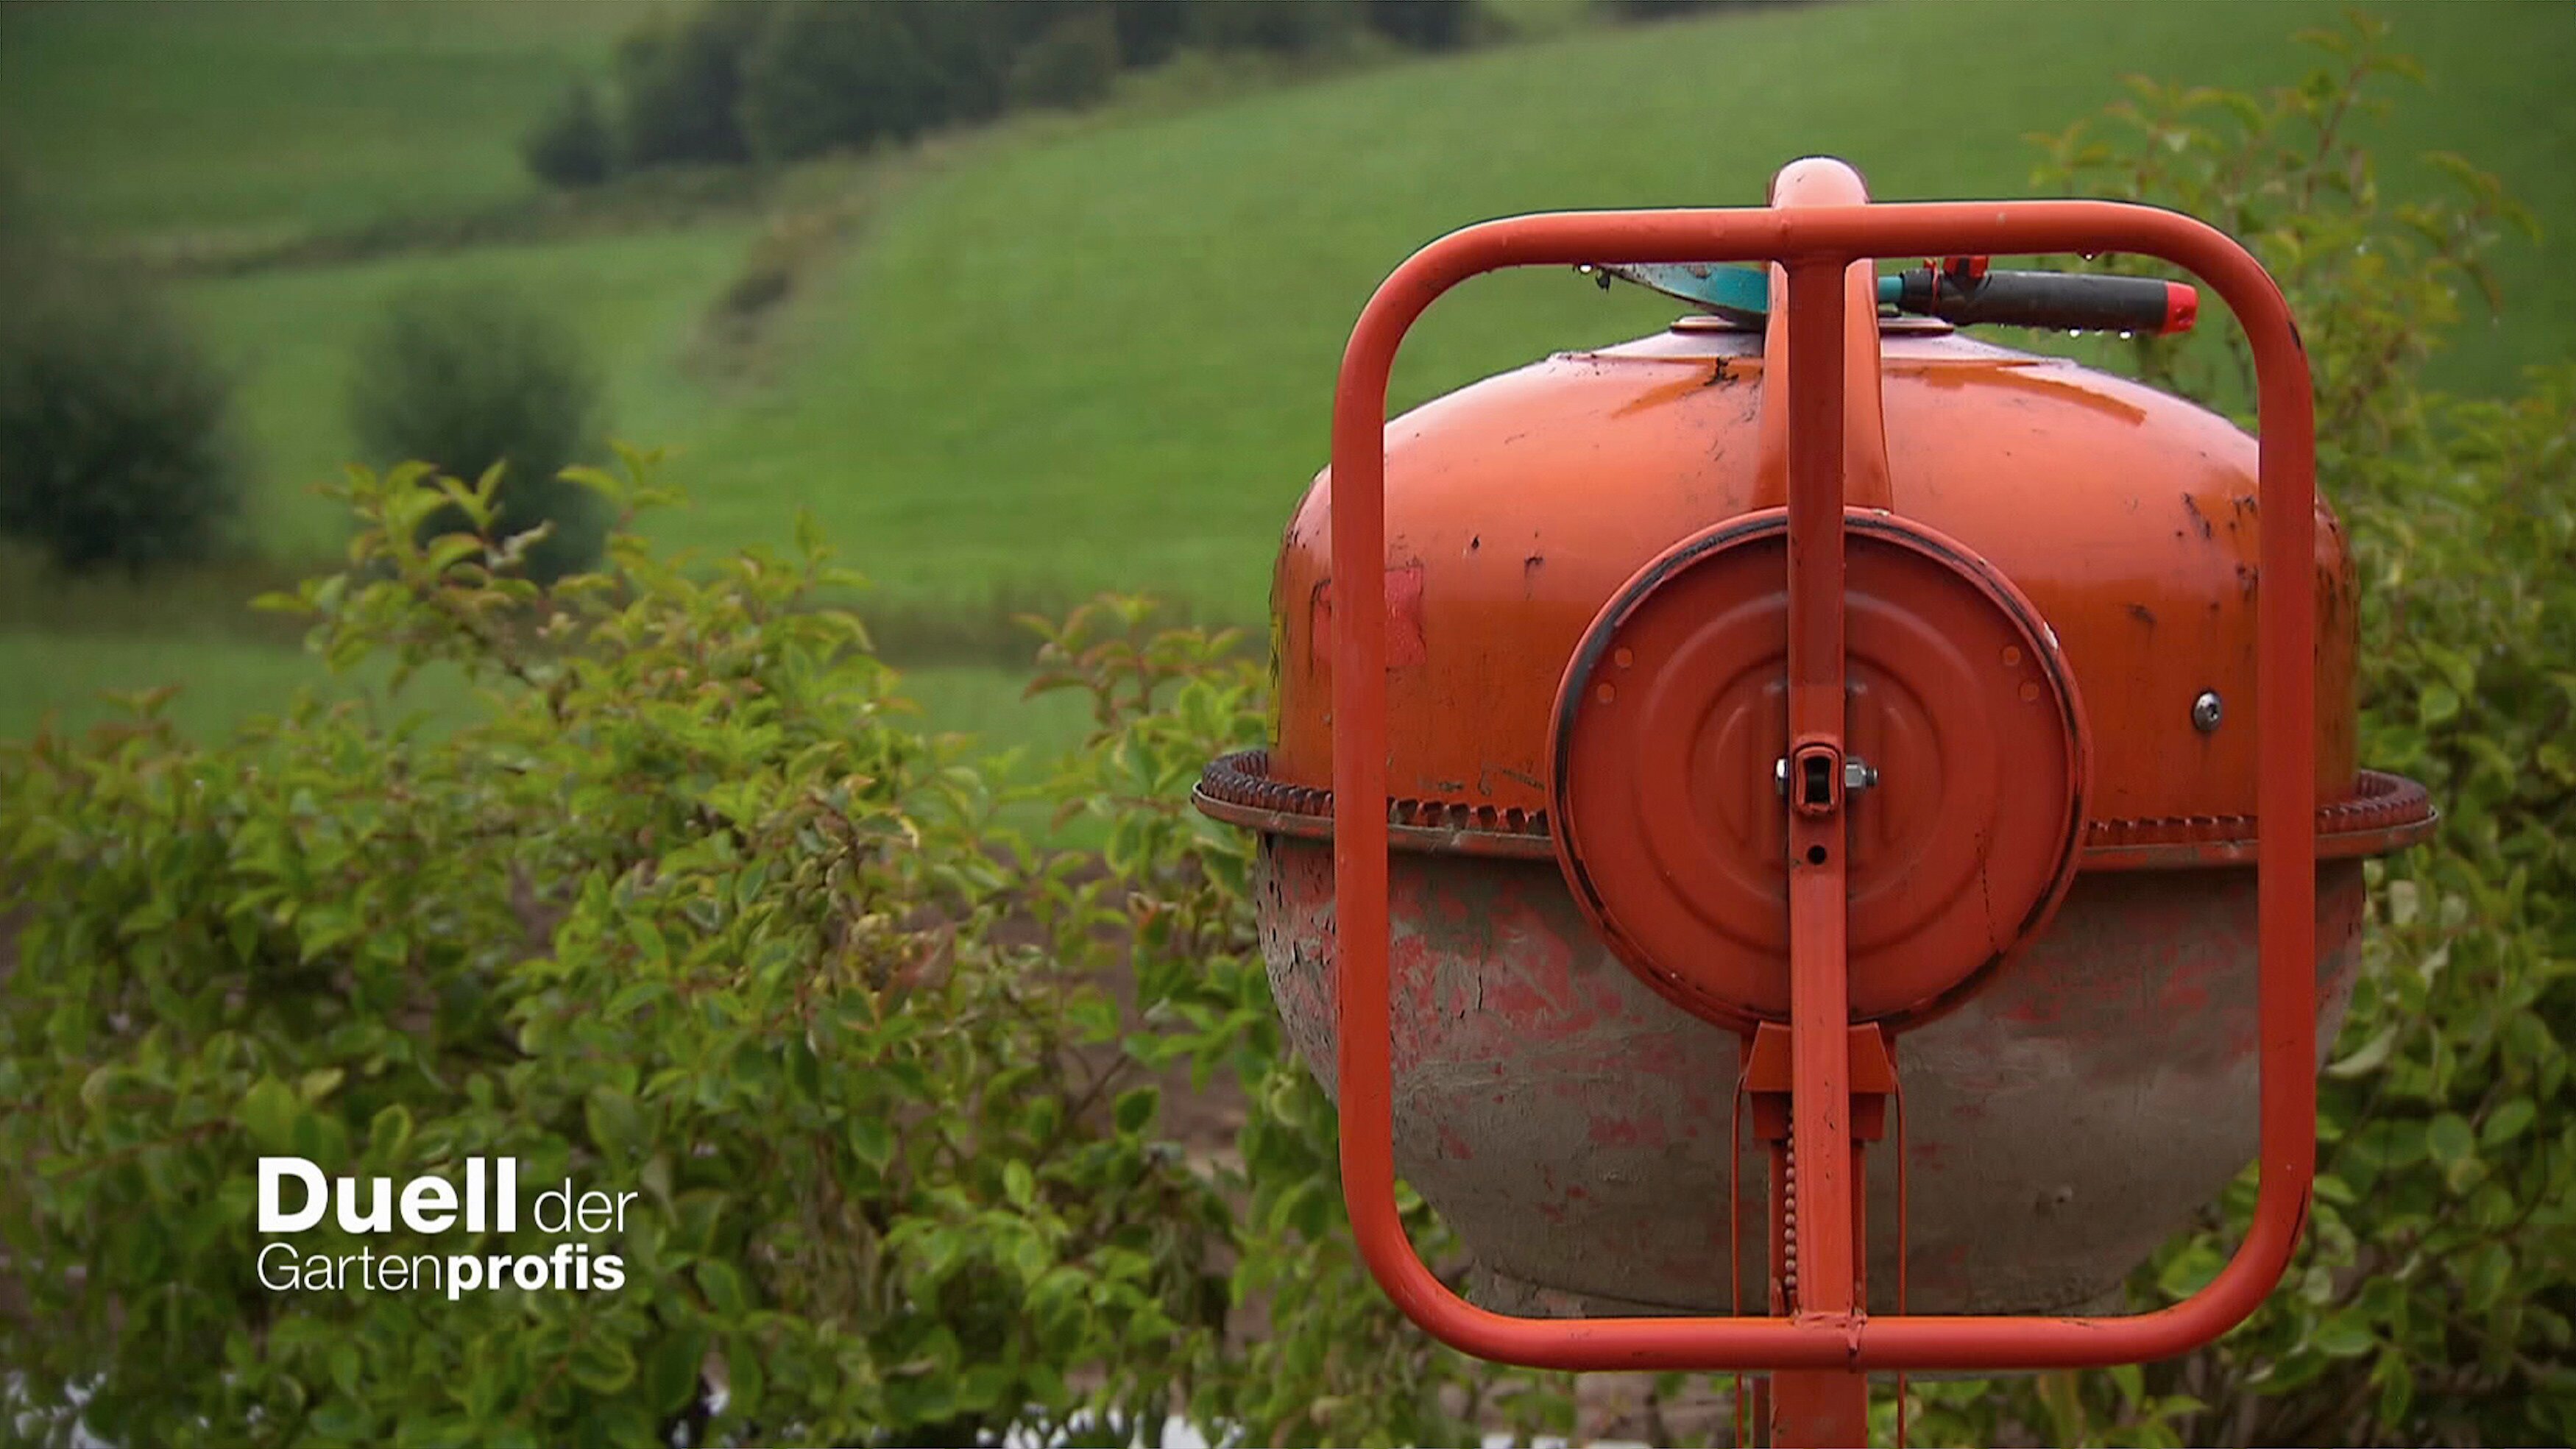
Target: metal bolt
(1858, 775)
(2207, 711)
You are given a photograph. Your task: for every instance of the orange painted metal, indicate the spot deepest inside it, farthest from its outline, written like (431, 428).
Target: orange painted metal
(2277, 776)
(1670, 720)
(1819, 1408)
(2149, 581)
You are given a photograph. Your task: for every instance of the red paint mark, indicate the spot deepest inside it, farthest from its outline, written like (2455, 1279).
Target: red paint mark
(1618, 1132)
(1453, 1146)
(1404, 646)
(1404, 616)
(2036, 1011)
(1609, 1133)
(2186, 987)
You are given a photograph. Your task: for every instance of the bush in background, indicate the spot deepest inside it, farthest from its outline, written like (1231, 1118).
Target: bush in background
(1284, 27)
(1149, 31)
(1073, 63)
(696, 909)
(740, 80)
(1666, 9)
(115, 446)
(2434, 1299)
(1425, 24)
(572, 145)
(469, 378)
(823, 75)
(679, 85)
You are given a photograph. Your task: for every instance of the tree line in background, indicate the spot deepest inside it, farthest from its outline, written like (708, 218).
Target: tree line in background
(118, 446)
(736, 81)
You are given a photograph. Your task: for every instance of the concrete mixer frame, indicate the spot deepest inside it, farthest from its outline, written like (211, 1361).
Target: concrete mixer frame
(1830, 1336)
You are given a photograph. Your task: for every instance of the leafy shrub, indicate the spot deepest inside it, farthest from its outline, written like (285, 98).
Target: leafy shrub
(680, 85)
(1072, 64)
(2434, 1297)
(736, 79)
(1149, 31)
(1292, 27)
(115, 446)
(692, 909)
(1654, 9)
(824, 75)
(1424, 24)
(572, 145)
(973, 48)
(470, 378)
(1667, 9)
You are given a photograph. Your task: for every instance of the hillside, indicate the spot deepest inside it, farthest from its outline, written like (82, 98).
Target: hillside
(1067, 354)
(163, 117)
(1114, 354)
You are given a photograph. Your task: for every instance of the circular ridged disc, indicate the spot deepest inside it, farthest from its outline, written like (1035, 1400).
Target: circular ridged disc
(1674, 710)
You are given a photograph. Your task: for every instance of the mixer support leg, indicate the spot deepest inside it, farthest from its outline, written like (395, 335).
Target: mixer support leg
(1821, 1407)
(1817, 1407)
(1826, 1406)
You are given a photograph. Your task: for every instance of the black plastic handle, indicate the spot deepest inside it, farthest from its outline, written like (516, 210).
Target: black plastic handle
(2067, 301)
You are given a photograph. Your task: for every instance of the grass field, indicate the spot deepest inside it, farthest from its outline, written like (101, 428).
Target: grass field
(288, 336)
(1115, 353)
(225, 681)
(163, 116)
(1071, 355)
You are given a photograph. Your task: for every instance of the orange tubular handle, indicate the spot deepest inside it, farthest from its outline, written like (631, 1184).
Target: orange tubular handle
(1811, 239)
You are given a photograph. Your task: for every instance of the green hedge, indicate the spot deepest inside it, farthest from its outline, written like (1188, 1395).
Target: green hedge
(696, 910)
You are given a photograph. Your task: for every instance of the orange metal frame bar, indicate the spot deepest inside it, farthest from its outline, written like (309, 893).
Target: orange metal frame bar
(1815, 244)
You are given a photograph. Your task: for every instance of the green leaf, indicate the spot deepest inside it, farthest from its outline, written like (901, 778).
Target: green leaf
(2506, 1122)
(614, 1124)
(2368, 1057)
(268, 1113)
(2396, 1379)
(2447, 1139)
(389, 1135)
(723, 1287)
(2489, 1273)
(746, 1385)
(1135, 1109)
(2437, 704)
(603, 1365)
(671, 1376)
(2345, 1335)
(873, 1141)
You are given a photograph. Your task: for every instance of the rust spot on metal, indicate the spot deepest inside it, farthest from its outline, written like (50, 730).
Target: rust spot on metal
(2199, 521)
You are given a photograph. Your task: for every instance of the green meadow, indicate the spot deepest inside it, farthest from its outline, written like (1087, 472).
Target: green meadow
(1063, 354)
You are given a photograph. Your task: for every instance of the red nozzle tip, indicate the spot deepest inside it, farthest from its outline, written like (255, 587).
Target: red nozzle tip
(2182, 307)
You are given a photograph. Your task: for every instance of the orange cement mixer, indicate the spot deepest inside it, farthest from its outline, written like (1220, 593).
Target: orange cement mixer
(1925, 766)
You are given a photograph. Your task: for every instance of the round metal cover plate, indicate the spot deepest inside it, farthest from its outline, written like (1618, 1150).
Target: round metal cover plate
(1672, 715)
